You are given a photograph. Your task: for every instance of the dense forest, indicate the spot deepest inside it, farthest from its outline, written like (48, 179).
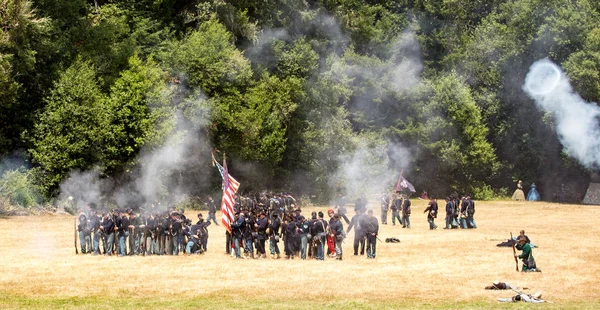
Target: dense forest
(309, 96)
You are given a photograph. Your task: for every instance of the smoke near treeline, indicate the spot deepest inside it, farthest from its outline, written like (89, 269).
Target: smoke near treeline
(124, 103)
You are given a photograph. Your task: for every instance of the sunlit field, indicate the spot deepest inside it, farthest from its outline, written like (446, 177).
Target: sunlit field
(428, 269)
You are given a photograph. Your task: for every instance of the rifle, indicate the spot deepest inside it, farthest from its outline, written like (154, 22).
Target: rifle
(75, 234)
(514, 252)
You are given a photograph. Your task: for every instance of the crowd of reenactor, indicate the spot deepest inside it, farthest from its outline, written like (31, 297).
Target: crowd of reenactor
(460, 211)
(152, 232)
(276, 219)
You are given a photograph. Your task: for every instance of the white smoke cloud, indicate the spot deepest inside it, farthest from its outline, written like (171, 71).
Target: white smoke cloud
(577, 122)
(160, 174)
(372, 168)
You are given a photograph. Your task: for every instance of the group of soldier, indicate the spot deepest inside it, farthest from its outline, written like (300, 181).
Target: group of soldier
(275, 218)
(272, 218)
(152, 232)
(460, 211)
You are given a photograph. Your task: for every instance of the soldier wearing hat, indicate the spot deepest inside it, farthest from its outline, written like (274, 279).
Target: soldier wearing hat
(107, 230)
(359, 236)
(123, 231)
(175, 232)
(261, 230)
(274, 225)
(237, 230)
(396, 207)
(371, 227)
(385, 206)
(203, 232)
(526, 256)
(319, 233)
(212, 210)
(337, 230)
(84, 233)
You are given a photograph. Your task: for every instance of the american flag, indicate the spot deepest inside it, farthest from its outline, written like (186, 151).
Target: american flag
(230, 187)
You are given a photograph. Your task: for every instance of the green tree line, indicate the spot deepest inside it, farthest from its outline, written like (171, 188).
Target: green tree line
(292, 86)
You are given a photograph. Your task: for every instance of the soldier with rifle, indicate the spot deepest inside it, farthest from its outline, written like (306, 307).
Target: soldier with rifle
(359, 235)
(406, 213)
(385, 206)
(175, 227)
(371, 230)
(202, 232)
(212, 210)
(274, 225)
(261, 226)
(84, 233)
(319, 233)
(432, 210)
(94, 227)
(396, 206)
(249, 235)
(123, 230)
(107, 229)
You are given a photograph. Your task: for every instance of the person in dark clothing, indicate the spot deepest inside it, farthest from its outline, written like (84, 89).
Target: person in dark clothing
(337, 229)
(385, 206)
(319, 234)
(237, 230)
(84, 233)
(449, 213)
(371, 228)
(212, 210)
(406, 213)
(94, 228)
(123, 230)
(432, 210)
(261, 230)
(202, 232)
(396, 207)
(107, 229)
(359, 235)
(290, 236)
(175, 230)
(274, 225)
(249, 233)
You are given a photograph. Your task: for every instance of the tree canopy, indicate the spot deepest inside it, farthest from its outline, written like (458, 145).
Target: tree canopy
(294, 88)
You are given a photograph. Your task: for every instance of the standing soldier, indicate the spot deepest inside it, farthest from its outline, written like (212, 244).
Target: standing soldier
(108, 230)
(471, 213)
(303, 232)
(396, 206)
(249, 235)
(406, 213)
(261, 229)
(371, 227)
(385, 205)
(94, 227)
(84, 233)
(202, 232)
(123, 233)
(212, 210)
(359, 237)
(330, 235)
(237, 231)
(176, 227)
(431, 210)
(449, 213)
(274, 224)
(337, 229)
(319, 233)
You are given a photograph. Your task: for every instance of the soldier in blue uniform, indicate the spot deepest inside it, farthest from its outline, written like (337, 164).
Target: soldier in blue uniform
(371, 228)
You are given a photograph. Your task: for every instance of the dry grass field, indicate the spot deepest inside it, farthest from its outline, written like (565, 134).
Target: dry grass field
(428, 269)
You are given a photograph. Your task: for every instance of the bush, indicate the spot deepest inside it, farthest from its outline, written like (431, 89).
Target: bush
(17, 188)
(485, 192)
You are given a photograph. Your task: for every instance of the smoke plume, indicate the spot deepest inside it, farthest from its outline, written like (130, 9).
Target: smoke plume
(577, 122)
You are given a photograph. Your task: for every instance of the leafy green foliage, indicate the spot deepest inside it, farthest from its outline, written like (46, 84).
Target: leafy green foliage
(295, 87)
(18, 187)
